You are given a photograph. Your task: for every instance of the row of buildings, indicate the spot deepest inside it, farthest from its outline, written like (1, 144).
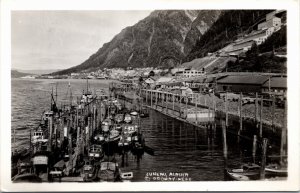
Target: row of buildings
(275, 85)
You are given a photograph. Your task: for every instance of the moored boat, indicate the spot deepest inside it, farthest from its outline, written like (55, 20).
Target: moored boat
(275, 169)
(96, 152)
(249, 171)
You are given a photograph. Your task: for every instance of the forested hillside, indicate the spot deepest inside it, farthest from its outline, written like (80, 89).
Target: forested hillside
(225, 30)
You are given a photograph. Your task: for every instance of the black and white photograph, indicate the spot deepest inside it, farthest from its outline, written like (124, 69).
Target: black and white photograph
(151, 95)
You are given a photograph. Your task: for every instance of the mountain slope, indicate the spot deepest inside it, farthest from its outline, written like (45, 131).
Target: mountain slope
(162, 39)
(17, 74)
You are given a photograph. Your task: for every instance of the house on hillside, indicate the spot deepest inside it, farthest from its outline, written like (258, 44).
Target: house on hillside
(264, 30)
(275, 85)
(243, 83)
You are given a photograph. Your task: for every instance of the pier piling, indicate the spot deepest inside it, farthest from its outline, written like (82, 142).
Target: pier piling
(226, 109)
(254, 148)
(263, 161)
(261, 116)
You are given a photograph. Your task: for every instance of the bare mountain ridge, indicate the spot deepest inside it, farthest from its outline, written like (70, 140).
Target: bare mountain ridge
(163, 39)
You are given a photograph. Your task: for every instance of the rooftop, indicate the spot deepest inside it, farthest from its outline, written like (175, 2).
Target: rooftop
(276, 82)
(244, 79)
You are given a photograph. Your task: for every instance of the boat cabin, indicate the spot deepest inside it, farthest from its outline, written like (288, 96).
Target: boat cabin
(250, 167)
(95, 151)
(48, 114)
(38, 136)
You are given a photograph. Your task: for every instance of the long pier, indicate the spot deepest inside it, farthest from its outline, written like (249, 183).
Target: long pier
(190, 107)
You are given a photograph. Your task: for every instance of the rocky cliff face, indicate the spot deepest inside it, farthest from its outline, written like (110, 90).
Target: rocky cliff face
(163, 38)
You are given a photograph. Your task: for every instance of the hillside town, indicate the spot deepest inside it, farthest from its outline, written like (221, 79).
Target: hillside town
(201, 93)
(208, 73)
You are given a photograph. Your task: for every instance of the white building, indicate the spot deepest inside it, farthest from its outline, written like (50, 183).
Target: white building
(273, 22)
(188, 73)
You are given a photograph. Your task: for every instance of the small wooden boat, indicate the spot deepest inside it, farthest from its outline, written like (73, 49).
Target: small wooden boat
(249, 171)
(27, 177)
(276, 170)
(239, 177)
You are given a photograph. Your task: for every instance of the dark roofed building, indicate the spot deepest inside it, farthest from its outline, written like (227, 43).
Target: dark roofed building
(275, 85)
(243, 83)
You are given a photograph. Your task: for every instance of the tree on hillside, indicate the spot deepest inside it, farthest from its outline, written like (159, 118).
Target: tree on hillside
(253, 57)
(151, 73)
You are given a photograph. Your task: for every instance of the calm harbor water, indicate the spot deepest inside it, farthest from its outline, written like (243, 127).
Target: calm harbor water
(180, 148)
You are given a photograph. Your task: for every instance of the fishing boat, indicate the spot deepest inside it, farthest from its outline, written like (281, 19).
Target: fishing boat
(38, 136)
(249, 171)
(130, 129)
(87, 96)
(109, 171)
(127, 118)
(89, 172)
(96, 152)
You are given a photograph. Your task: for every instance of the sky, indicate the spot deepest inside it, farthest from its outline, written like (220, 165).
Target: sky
(43, 40)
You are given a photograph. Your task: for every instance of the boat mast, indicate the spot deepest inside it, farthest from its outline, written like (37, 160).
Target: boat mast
(56, 93)
(51, 99)
(70, 97)
(87, 85)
